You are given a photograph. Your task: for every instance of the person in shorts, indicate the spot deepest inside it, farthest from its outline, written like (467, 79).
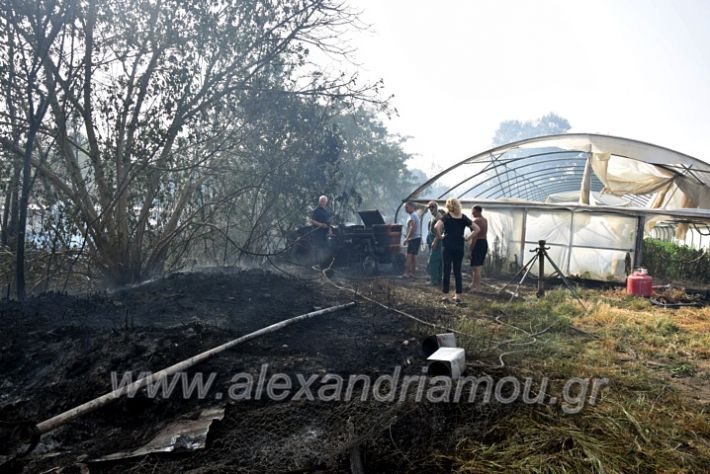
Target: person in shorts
(413, 239)
(479, 246)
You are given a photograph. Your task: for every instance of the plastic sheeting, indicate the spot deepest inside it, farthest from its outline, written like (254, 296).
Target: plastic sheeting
(612, 238)
(584, 244)
(697, 237)
(505, 234)
(537, 168)
(596, 199)
(623, 147)
(626, 176)
(694, 236)
(623, 176)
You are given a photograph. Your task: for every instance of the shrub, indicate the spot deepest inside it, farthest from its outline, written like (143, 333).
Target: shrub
(669, 261)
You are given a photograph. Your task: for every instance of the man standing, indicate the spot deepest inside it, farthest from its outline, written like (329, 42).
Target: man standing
(435, 261)
(320, 219)
(412, 240)
(479, 246)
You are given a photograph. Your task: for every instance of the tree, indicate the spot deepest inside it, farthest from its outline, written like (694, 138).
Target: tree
(293, 150)
(23, 87)
(374, 163)
(158, 91)
(513, 130)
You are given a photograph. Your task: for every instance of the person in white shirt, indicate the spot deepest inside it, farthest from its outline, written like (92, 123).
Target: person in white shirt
(413, 239)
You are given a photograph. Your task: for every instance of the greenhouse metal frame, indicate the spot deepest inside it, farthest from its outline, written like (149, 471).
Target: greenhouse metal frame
(592, 197)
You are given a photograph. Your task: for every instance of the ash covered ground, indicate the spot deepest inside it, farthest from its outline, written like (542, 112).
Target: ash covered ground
(57, 351)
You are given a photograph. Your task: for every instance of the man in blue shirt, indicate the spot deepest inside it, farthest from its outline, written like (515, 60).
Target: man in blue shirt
(321, 215)
(320, 219)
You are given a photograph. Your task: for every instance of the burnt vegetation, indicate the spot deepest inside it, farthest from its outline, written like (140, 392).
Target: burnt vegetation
(141, 136)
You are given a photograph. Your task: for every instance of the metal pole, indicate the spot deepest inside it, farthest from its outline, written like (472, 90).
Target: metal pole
(570, 244)
(523, 235)
(525, 269)
(638, 248)
(541, 269)
(525, 275)
(564, 279)
(69, 415)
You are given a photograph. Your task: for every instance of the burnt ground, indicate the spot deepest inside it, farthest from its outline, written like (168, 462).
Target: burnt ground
(57, 351)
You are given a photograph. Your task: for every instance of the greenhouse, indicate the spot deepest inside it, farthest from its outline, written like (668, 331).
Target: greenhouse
(592, 198)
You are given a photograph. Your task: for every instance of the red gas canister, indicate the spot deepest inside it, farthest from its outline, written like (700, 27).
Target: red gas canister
(639, 283)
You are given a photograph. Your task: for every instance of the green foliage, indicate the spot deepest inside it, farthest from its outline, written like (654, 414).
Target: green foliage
(373, 162)
(671, 262)
(683, 370)
(197, 121)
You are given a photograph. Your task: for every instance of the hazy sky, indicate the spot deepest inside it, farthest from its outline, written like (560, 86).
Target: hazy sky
(633, 68)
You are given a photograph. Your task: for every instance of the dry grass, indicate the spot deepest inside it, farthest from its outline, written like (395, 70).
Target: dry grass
(653, 417)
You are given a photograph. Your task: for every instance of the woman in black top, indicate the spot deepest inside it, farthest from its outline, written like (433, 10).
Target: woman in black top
(450, 230)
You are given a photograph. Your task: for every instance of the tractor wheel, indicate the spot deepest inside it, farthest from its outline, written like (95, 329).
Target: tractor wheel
(398, 263)
(369, 265)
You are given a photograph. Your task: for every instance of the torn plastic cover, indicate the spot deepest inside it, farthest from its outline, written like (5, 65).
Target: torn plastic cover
(650, 176)
(182, 435)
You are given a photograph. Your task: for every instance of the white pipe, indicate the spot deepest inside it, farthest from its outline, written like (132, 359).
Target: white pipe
(69, 415)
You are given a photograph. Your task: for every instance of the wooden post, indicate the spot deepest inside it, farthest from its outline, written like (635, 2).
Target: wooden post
(541, 270)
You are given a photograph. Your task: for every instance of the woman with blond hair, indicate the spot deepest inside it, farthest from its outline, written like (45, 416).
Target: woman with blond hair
(450, 230)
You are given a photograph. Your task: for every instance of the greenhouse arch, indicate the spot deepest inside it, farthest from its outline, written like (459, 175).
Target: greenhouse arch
(593, 198)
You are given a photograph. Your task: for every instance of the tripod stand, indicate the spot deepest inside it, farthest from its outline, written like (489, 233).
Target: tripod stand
(540, 256)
